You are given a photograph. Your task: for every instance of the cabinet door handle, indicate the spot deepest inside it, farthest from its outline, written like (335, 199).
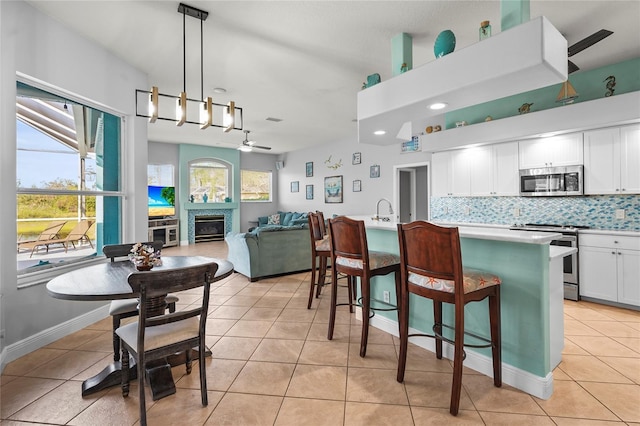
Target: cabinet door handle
(615, 242)
(613, 252)
(619, 253)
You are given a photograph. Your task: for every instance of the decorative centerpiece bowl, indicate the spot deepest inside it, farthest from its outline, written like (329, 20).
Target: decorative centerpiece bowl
(144, 257)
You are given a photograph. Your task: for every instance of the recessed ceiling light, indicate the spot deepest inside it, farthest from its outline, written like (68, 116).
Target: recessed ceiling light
(379, 132)
(438, 105)
(219, 90)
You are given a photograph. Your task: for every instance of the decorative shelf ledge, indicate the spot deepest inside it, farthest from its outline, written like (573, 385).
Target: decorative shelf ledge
(209, 206)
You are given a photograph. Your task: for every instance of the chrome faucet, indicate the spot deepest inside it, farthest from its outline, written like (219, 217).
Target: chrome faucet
(378, 209)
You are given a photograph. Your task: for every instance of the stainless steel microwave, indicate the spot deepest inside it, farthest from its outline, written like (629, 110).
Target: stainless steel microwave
(551, 181)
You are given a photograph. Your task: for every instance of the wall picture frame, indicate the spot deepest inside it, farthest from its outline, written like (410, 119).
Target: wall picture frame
(333, 189)
(356, 158)
(309, 169)
(309, 192)
(374, 171)
(295, 186)
(357, 185)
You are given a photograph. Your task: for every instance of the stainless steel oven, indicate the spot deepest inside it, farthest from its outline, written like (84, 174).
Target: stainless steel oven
(569, 238)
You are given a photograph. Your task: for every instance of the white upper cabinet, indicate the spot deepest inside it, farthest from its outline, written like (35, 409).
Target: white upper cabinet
(440, 166)
(450, 174)
(555, 151)
(482, 171)
(494, 169)
(612, 160)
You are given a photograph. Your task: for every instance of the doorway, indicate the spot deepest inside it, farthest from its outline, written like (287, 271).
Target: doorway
(411, 191)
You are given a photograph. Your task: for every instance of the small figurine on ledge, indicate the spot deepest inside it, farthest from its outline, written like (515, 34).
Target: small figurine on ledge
(204, 197)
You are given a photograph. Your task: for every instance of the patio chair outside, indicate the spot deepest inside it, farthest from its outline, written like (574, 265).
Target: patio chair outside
(50, 233)
(77, 235)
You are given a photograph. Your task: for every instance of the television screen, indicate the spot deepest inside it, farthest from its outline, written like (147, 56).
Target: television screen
(162, 201)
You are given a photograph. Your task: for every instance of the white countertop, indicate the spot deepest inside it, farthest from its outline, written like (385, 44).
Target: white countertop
(478, 232)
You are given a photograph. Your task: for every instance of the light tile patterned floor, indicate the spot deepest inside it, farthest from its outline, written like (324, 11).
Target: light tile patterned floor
(272, 365)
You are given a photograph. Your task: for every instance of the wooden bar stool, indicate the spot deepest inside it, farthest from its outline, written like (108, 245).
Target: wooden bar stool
(431, 267)
(350, 256)
(320, 250)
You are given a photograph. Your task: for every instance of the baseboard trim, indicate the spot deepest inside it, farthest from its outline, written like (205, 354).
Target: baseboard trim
(50, 335)
(540, 387)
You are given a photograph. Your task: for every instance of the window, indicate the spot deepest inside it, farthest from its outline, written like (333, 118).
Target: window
(67, 171)
(209, 180)
(256, 185)
(160, 175)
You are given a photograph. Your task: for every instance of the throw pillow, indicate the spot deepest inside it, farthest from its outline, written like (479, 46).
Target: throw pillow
(262, 220)
(274, 219)
(287, 219)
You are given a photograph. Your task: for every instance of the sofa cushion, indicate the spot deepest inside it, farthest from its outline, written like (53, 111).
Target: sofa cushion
(262, 220)
(274, 219)
(287, 219)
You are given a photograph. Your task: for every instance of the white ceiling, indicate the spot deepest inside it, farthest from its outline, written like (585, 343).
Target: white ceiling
(304, 61)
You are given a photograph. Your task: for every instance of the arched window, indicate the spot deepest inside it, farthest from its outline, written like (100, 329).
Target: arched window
(209, 180)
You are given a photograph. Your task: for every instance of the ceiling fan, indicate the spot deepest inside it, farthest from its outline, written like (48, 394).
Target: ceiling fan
(247, 145)
(583, 44)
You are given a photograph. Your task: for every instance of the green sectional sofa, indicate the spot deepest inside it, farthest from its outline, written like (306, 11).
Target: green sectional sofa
(270, 250)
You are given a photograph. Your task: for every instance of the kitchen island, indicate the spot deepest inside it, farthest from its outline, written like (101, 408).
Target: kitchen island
(531, 301)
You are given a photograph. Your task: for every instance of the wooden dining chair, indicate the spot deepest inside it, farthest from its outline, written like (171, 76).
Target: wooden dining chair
(350, 255)
(156, 337)
(431, 267)
(126, 308)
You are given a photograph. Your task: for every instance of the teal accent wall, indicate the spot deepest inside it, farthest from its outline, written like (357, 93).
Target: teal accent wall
(189, 153)
(590, 85)
(524, 270)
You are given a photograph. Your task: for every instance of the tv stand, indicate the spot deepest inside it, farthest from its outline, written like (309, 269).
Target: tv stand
(165, 230)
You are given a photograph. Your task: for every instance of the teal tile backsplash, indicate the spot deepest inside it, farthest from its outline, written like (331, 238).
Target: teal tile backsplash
(597, 212)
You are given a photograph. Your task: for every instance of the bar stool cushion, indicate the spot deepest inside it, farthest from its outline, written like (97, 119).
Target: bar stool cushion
(377, 259)
(474, 279)
(323, 244)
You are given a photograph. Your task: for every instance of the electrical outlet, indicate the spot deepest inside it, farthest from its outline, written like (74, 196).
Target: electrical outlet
(620, 213)
(2, 334)
(446, 210)
(467, 210)
(386, 297)
(516, 212)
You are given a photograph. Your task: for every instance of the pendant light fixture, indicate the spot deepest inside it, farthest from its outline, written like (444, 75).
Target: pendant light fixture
(210, 114)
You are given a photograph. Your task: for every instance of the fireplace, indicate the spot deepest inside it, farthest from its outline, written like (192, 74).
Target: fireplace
(209, 228)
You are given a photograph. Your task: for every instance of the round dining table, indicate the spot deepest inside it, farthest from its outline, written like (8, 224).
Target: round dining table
(108, 281)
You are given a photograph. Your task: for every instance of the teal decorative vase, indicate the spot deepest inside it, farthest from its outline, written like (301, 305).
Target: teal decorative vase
(445, 43)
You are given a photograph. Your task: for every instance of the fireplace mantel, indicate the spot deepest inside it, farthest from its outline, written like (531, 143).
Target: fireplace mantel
(210, 206)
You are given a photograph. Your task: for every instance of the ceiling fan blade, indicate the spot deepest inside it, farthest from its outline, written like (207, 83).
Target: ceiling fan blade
(260, 147)
(588, 41)
(572, 67)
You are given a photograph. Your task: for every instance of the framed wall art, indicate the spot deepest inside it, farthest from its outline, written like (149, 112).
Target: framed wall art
(295, 186)
(309, 168)
(357, 158)
(333, 189)
(357, 185)
(309, 192)
(374, 171)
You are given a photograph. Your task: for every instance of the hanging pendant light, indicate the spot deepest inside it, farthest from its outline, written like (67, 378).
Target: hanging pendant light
(153, 105)
(227, 114)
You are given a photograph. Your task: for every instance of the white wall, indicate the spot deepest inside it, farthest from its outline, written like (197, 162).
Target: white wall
(355, 203)
(56, 59)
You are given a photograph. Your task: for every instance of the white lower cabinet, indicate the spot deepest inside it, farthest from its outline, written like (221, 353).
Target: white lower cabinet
(610, 268)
